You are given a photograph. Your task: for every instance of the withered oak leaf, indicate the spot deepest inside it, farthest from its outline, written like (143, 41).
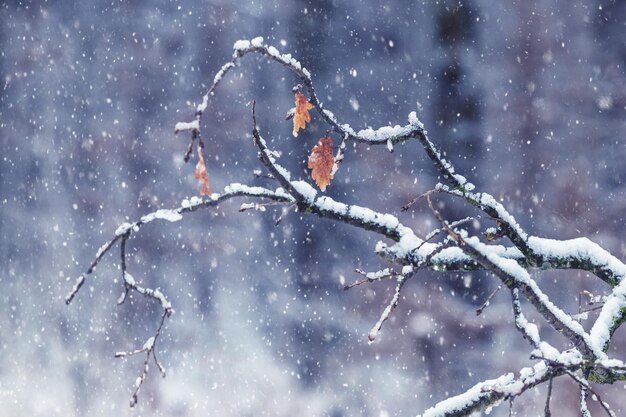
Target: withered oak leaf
(202, 176)
(301, 115)
(321, 161)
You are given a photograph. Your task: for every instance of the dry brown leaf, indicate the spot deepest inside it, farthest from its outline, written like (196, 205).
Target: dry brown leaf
(301, 116)
(321, 161)
(202, 176)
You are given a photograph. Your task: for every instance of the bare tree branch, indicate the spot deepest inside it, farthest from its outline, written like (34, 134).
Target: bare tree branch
(516, 277)
(491, 392)
(510, 262)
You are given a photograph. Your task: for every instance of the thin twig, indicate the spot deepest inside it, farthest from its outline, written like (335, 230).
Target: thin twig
(521, 324)
(587, 387)
(122, 297)
(546, 409)
(480, 309)
(372, 276)
(257, 173)
(454, 235)
(455, 223)
(416, 199)
(286, 211)
(81, 279)
(389, 309)
(194, 135)
(340, 154)
(258, 206)
(584, 409)
(150, 349)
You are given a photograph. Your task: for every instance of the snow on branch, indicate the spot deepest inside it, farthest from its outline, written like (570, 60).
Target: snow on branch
(124, 232)
(580, 253)
(612, 315)
(402, 279)
(528, 330)
(172, 215)
(492, 392)
(585, 387)
(386, 135)
(386, 273)
(149, 348)
(585, 359)
(308, 201)
(516, 277)
(605, 266)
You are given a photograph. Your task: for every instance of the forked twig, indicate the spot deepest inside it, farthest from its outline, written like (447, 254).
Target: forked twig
(149, 348)
(372, 277)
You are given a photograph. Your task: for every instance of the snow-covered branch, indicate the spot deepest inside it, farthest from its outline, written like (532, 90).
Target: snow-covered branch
(583, 254)
(516, 277)
(386, 135)
(580, 253)
(514, 262)
(612, 316)
(492, 392)
(172, 215)
(124, 232)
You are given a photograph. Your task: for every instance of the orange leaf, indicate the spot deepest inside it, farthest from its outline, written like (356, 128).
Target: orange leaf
(202, 176)
(321, 161)
(301, 116)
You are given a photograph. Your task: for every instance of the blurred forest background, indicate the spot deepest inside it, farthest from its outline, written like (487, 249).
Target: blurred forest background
(528, 99)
